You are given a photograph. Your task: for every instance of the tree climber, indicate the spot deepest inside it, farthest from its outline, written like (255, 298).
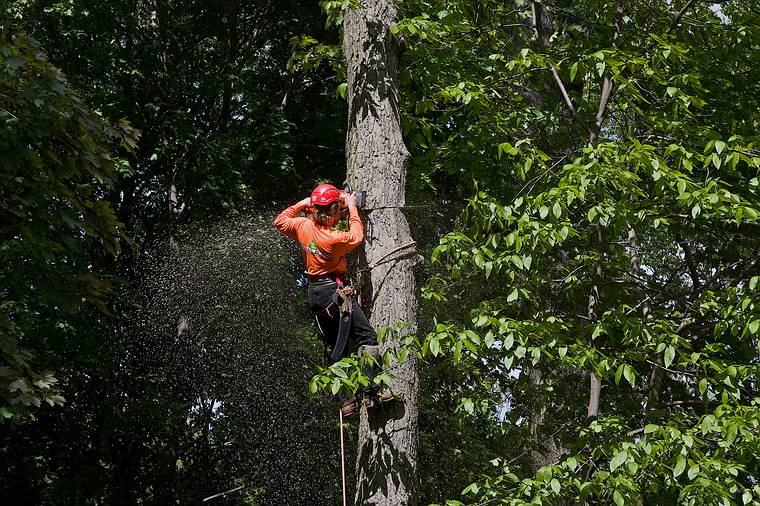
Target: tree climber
(324, 249)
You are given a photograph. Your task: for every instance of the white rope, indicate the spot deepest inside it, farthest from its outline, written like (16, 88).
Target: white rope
(342, 457)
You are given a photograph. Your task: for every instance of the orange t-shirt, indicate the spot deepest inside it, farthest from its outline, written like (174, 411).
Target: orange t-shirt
(323, 248)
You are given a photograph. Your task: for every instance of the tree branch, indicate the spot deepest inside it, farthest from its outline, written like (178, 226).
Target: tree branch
(689, 262)
(538, 33)
(604, 100)
(680, 14)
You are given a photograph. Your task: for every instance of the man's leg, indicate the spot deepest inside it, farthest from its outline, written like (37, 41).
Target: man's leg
(322, 296)
(322, 304)
(362, 332)
(365, 339)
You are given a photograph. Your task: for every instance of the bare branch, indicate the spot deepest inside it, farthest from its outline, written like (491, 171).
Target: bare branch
(604, 100)
(680, 15)
(538, 33)
(696, 282)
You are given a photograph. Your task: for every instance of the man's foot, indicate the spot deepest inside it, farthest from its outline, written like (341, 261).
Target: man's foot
(349, 407)
(384, 395)
(372, 350)
(381, 396)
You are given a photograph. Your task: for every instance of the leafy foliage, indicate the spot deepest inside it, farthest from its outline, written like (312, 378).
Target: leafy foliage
(55, 167)
(614, 233)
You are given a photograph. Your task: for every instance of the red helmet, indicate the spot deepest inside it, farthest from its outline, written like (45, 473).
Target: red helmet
(325, 194)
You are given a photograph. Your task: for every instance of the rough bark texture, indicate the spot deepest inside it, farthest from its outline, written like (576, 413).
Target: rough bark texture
(377, 158)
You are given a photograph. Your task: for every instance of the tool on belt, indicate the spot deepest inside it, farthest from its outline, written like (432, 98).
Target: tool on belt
(344, 325)
(344, 308)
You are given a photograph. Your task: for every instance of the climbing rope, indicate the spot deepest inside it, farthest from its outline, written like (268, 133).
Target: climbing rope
(342, 457)
(385, 257)
(360, 273)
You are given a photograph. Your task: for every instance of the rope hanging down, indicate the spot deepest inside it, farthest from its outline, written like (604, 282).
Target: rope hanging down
(342, 458)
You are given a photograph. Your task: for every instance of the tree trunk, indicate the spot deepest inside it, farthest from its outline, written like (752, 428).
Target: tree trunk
(376, 159)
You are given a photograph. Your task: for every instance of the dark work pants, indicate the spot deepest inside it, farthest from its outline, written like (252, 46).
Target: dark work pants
(321, 295)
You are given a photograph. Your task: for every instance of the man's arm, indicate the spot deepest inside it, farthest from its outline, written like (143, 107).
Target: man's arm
(347, 241)
(288, 222)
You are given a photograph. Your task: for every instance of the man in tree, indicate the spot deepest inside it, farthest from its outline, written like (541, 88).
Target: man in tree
(324, 250)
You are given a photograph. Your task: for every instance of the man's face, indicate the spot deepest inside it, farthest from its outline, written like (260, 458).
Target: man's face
(329, 214)
(333, 210)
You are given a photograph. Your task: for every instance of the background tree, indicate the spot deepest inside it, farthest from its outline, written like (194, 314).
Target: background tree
(55, 165)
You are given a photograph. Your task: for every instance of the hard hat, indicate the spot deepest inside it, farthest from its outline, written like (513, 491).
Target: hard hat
(325, 194)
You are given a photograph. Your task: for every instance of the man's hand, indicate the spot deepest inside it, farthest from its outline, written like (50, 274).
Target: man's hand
(351, 201)
(304, 202)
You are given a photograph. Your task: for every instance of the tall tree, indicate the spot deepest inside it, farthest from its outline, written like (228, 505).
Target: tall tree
(377, 161)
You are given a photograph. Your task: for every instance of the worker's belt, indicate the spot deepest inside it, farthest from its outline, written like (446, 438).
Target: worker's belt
(327, 278)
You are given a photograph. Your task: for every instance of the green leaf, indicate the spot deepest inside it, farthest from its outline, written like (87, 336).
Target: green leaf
(670, 354)
(693, 471)
(557, 210)
(719, 146)
(435, 347)
(513, 296)
(471, 489)
(619, 501)
(504, 147)
(619, 374)
(650, 428)
(555, 486)
(618, 460)
(716, 160)
(679, 467)
(573, 71)
(629, 374)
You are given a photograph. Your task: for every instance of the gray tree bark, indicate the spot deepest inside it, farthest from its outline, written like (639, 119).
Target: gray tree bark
(377, 162)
